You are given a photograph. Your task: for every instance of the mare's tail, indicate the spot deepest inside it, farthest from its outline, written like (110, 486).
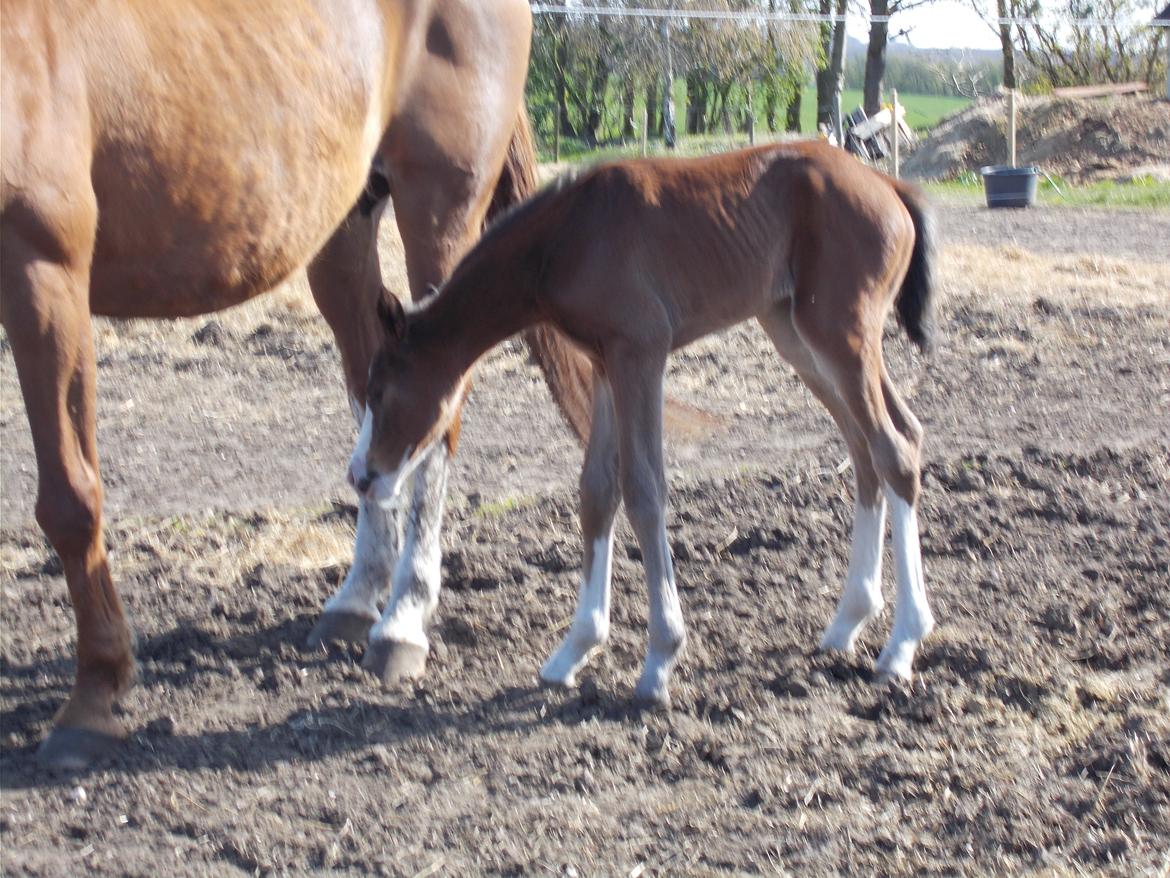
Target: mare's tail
(567, 371)
(915, 299)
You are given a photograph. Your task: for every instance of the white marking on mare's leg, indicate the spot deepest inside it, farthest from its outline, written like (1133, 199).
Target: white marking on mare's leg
(415, 592)
(913, 620)
(861, 599)
(590, 627)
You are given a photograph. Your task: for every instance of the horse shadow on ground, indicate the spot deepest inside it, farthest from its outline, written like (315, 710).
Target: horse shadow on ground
(189, 656)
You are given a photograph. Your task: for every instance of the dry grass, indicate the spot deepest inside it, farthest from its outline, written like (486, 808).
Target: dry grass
(1010, 274)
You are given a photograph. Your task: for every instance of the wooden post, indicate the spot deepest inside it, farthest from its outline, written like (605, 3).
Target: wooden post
(897, 136)
(645, 130)
(1011, 127)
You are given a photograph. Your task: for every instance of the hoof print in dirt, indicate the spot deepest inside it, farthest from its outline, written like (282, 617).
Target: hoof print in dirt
(899, 701)
(790, 687)
(339, 627)
(393, 662)
(77, 749)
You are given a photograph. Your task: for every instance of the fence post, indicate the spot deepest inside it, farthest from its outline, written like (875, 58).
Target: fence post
(1012, 127)
(897, 136)
(645, 129)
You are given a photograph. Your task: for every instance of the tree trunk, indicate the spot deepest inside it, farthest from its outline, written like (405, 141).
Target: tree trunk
(875, 58)
(1005, 42)
(691, 112)
(669, 135)
(652, 109)
(629, 129)
(599, 88)
(793, 120)
(832, 78)
(825, 72)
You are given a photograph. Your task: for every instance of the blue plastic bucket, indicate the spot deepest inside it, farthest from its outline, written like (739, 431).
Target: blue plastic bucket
(1010, 187)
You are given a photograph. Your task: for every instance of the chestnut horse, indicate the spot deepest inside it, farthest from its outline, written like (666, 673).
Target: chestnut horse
(170, 158)
(636, 259)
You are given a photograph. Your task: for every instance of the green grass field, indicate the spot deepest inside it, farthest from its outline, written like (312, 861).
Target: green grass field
(1142, 193)
(922, 111)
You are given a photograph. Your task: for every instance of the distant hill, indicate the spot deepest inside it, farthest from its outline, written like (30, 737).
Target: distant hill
(926, 71)
(857, 48)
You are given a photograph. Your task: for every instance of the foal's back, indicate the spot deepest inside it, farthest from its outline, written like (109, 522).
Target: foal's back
(692, 246)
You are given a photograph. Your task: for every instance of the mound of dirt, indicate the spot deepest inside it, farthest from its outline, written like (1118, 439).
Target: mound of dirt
(1080, 139)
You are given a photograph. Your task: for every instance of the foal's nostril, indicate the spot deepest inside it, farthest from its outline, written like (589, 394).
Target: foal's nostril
(363, 484)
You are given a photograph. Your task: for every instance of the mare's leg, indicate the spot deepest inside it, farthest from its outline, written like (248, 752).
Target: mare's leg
(599, 502)
(346, 280)
(440, 211)
(635, 372)
(45, 307)
(852, 360)
(861, 599)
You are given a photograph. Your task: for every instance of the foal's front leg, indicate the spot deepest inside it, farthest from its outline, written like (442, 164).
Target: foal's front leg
(599, 501)
(398, 641)
(636, 378)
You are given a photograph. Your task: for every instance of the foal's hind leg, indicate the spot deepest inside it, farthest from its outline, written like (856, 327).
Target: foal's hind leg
(861, 599)
(45, 308)
(599, 502)
(852, 360)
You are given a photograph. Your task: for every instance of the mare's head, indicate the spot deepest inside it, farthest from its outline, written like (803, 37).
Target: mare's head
(410, 407)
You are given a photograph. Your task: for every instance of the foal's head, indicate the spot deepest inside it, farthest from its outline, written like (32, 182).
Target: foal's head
(411, 404)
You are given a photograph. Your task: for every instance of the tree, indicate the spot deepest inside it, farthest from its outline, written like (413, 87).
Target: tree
(875, 53)
(830, 73)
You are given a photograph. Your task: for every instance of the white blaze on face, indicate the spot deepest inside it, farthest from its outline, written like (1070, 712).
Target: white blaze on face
(358, 468)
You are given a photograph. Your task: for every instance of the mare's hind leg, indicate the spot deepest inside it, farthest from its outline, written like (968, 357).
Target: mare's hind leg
(346, 280)
(852, 361)
(861, 599)
(636, 378)
(599, 502)
(45, 307)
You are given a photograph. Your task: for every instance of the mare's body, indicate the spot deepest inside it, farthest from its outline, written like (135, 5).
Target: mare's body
(634, 260)
(164, 158)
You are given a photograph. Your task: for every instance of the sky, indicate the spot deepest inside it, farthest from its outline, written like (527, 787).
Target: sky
(942, 25)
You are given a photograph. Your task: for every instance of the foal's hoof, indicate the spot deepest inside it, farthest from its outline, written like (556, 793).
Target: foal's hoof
(651, 699)
(393, 661)
(72, 749)
(339, 627)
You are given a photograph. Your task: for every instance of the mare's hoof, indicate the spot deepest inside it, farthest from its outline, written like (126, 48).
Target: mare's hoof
(393, 661)
(339, 627)
(74, 749)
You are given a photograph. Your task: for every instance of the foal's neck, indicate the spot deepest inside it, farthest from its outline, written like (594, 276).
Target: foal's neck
(490, 297)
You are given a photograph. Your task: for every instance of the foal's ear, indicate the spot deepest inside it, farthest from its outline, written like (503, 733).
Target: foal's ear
(391, 313)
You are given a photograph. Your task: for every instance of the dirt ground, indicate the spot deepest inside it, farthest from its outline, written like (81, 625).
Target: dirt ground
(1036, 737)
(1081, 139)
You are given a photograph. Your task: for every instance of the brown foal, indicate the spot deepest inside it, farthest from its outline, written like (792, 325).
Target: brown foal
(635, 259)
(164, 158)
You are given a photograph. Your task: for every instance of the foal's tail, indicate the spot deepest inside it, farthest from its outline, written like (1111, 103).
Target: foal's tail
(914, 300)
(567, 371)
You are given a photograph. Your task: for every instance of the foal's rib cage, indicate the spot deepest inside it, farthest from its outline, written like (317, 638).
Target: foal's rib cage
(634, 259)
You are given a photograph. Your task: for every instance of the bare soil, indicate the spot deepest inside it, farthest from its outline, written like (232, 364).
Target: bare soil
(1036, 737)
